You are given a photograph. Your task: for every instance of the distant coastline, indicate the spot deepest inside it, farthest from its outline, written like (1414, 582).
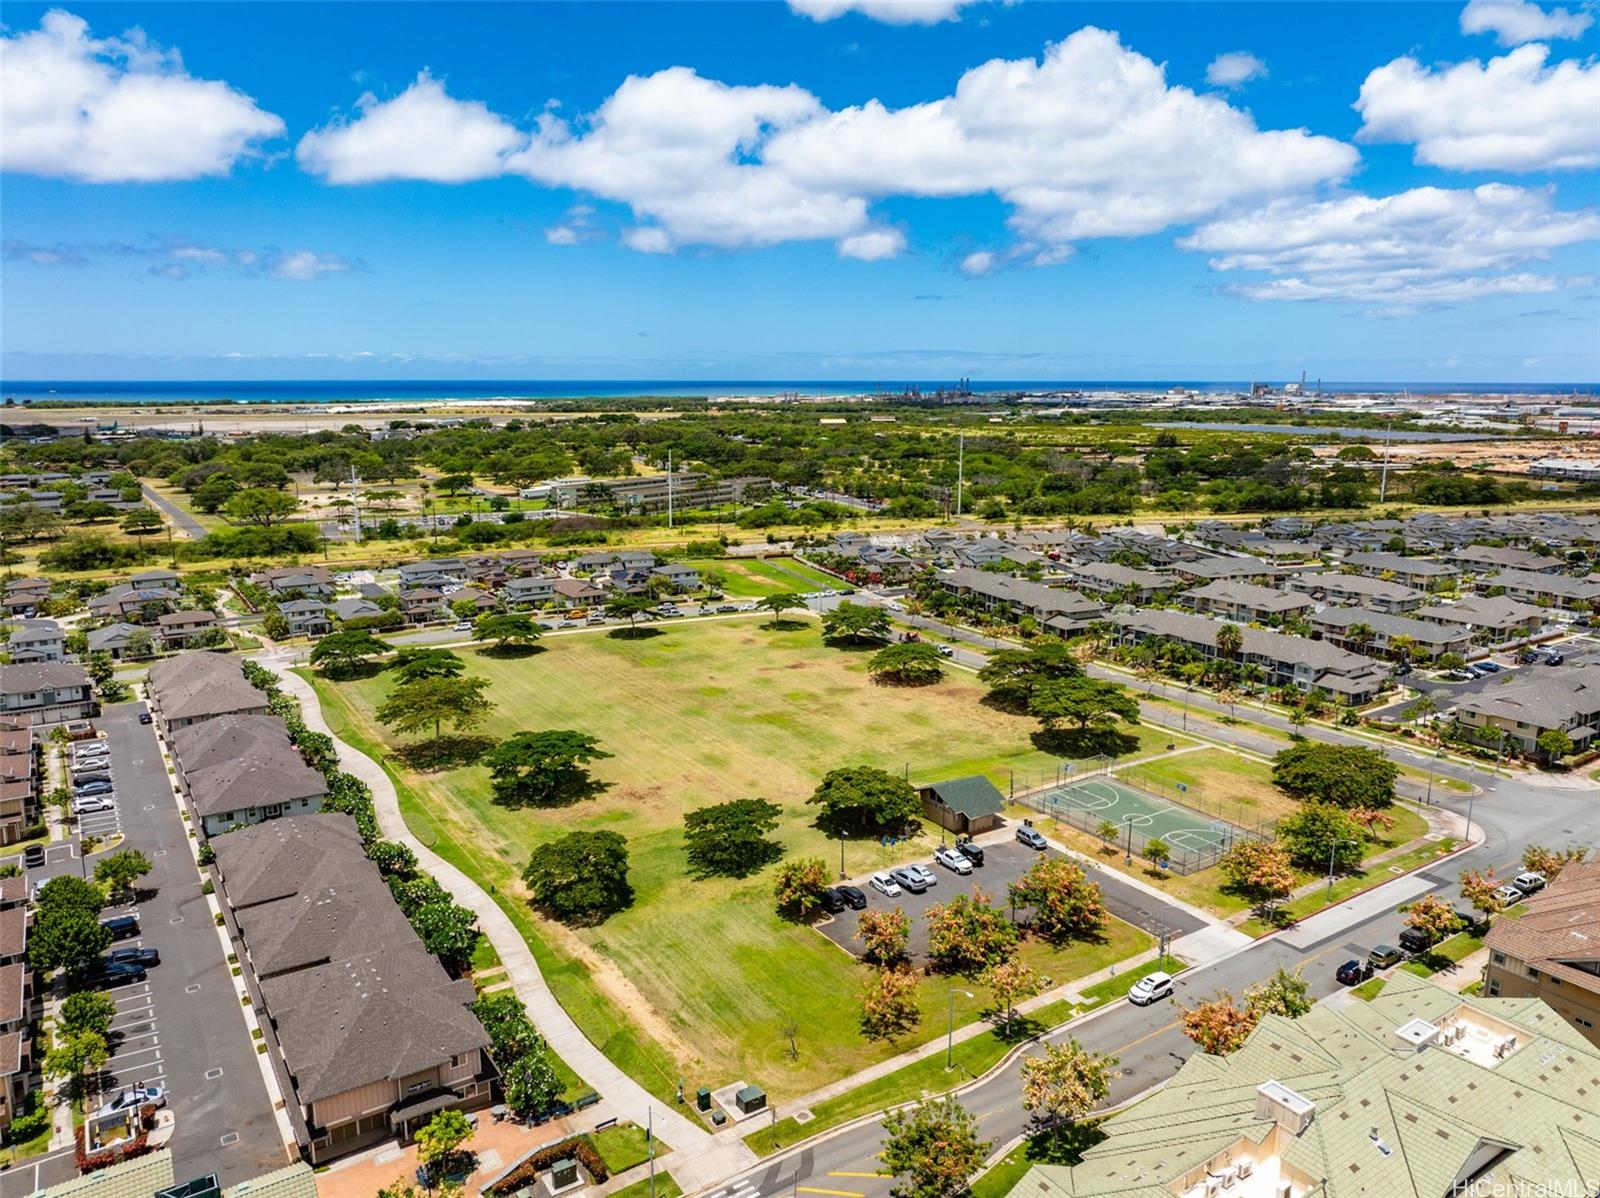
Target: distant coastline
(64, 393)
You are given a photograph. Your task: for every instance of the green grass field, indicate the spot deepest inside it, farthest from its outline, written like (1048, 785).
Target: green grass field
(700, 978)
(1220, 784)
(753, 578)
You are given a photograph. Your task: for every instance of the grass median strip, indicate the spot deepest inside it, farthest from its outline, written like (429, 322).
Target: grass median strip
(972, 1058)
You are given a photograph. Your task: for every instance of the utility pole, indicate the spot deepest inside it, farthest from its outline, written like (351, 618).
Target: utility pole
(650, 1146)
(961, 468)
(669, 488)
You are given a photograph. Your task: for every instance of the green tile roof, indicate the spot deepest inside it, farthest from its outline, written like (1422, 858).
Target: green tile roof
(1432, 1110)
(972, 797)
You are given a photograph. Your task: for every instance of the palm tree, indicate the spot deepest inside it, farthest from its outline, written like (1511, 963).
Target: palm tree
(1230, 640)
(1360, 633)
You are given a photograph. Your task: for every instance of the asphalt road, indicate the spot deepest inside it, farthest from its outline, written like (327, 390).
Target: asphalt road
(181, 520)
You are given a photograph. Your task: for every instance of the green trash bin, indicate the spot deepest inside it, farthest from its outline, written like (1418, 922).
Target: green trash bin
(702, 1098)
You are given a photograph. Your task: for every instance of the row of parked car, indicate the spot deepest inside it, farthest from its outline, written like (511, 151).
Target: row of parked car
(916, 878)
(1414, 941)
(92, 787)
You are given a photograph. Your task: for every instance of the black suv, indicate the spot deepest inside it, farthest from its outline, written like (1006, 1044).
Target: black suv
(122, 926)
(134, 956)
(832, 901)
(970, 851)
(853, 897)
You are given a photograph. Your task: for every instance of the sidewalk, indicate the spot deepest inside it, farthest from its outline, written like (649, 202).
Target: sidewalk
(630, 1100)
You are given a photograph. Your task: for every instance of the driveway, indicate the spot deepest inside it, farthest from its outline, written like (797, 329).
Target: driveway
(183, 1028)
(1004, 862)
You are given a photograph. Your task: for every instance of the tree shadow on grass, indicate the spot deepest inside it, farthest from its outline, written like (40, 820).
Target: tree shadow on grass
(1084, 742)
(1063, 1143)
(357, 670)
(635, 634)
(565, 795)
(899, 683)
(446, 753)
(510, 652)
(780, 625)
(1016, 1030)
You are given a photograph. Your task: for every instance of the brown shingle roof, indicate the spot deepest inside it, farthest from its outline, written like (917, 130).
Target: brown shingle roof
(13, 978)
(235, 762)
(200, 684)
(1561, 924)
(13, 931)
(277, 859)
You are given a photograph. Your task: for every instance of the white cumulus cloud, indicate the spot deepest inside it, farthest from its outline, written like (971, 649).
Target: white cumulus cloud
(979, 262)
(890, 12)
(1512, 113)
(1235, 69)
(1425, 246)
(305, 266)
(1516, 21)
(874, 245)
(648, 239)
(117, 110)
(423, 133)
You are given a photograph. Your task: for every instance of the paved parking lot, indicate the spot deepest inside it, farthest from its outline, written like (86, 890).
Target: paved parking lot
(1004, 862)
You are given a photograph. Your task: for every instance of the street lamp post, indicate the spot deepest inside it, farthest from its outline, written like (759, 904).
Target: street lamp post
(1333, 848)
(1470, 800)
(1433, 764)
(1128, 848)
(1188, 690)
(950, 1030)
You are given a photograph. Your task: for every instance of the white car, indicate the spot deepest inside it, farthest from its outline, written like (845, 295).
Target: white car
(886, 885)
(945, 650)
(132, 1099)
(1151, 988)
(951, 859)
(1509, 895)
(462, 626)
(928, 877)
(93, 804)
(90, 754)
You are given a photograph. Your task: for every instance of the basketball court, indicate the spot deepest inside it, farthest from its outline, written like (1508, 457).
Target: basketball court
(1106, 798)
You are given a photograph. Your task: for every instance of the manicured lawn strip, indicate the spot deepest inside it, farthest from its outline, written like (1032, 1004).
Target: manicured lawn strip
(665, 1188)
(599, 1020)
(928, 1076)
(700, 714)
(751, 578)
(1443, 955)
(623, 1146)
(1101, 993)
(1343, 888)
(1368, 990)
(484, 958)
(1004, 1175)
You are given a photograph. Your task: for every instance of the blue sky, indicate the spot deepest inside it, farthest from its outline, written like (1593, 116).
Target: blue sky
(764, 190)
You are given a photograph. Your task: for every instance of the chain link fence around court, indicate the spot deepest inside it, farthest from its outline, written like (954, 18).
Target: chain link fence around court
(1052, 802)
(1194, 796)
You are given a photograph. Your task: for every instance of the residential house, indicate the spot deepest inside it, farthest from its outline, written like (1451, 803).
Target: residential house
(1375, 632)
(522, 561)
(369, 1037)
(532, 590)
(1199, 570)
(1107, 580)
(575, 592)
(453, 568)
(139, 605)
(422, 605)
(23, 595)
(20, 775)
(965, 806)
(1284, 660)
(1246, 603)
(1551, 950)
(1356, 590)
(1063, 611)
(37, 640)
(121, 640)
(243, 769)
(1546, 590)
(682, 578)
(155, 578)
(47, 692)
(180, 629)
(354, 609)
(1419, 1093)
(1492, 619)
(482, 601)
(314, 582)
(307, 617)
(1418, 573)
(196, 686)
(1484, 559)
(18, 1004)
(1522, 709)
(981, 551)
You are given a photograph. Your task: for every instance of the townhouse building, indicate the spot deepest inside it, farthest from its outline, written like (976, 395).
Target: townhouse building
(1376, 632)
(1418, 573)
(1356, 590)
(47, 692)
(1544, 590)
(1550, 951)
(197, 685)
(1246, 603)
(1491, 619)
(239, 770)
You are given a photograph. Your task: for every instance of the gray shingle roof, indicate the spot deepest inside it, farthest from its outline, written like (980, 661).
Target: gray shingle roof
(201, 684)
(235, 762)
(973, 796)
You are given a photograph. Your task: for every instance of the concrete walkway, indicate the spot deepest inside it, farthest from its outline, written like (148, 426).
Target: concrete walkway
(629, 1099)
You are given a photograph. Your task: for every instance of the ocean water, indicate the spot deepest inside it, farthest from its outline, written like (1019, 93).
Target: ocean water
(316, 391)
